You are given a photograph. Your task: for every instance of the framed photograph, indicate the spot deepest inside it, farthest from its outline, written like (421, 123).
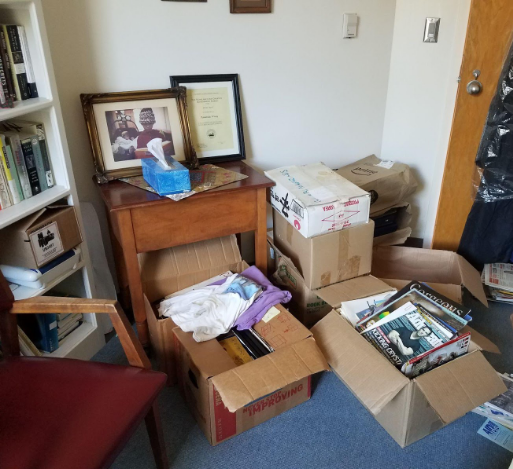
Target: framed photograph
(121, 125)
(250, 6)
(213, 105)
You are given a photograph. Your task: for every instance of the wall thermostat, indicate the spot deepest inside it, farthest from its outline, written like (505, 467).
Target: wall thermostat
(350, 26)
(431, 29)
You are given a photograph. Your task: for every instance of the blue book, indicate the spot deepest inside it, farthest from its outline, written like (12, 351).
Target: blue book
(41, 330)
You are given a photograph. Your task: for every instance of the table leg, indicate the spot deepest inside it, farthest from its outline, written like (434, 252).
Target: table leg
(261, 231)
(127, 241)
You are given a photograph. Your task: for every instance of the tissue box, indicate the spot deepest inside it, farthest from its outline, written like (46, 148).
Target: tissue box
(166, 181)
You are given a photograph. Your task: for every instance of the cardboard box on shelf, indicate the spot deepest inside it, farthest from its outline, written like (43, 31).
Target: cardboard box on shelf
(170, 270)
(227, 399)
(408, 409)
(445, 271)
(41, 237)
(305, 305)
(388, 182)
(316, 200)
(329, 258)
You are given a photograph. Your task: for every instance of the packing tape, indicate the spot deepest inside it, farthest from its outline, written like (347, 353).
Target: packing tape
(349, 268)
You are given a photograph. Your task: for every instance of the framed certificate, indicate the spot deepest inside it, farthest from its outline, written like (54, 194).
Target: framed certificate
(213, 107)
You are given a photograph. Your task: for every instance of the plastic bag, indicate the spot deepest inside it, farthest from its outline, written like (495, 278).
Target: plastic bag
(494, 159)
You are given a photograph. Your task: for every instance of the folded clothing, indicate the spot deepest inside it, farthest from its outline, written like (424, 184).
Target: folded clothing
(269, 297)
(212, 310)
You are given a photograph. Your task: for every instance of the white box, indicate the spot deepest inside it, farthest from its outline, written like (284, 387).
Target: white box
(316, 200)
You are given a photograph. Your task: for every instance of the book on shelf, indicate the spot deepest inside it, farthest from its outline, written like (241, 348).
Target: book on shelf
(7, 65)
(11, 181)
(27, 347)
(41, 329)
(6, 100)
(37, 129)
(5, 197)
(15, 54)
(31, 78)
(13, 143)
(30, 162)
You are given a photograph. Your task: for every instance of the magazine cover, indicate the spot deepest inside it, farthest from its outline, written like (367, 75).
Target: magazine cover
(357, 310)
(438, 356)
(437, 298)
(404, 338)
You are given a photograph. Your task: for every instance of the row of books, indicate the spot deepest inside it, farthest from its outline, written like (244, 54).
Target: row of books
(17, 79)
(416, 329)
(45, 333)
(25, 168)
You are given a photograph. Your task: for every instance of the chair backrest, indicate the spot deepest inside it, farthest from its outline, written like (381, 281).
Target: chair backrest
(8, 323)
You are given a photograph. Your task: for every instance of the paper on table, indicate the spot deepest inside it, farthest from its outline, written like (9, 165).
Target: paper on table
(203, 179)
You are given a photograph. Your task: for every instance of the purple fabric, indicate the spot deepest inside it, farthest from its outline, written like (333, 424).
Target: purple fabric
(269, 297)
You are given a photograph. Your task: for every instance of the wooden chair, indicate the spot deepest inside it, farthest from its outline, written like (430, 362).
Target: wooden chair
(58, 413)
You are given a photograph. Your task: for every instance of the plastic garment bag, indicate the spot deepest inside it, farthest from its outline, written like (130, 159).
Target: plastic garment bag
(488, 233)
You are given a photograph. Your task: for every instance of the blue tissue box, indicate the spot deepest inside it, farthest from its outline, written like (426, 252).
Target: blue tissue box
(166, 181)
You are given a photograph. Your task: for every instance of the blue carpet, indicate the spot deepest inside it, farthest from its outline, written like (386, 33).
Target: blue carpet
(332, 429)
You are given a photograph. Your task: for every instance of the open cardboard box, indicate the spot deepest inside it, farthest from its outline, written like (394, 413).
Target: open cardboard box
(408, 409)
(170, 270)
(227, 399)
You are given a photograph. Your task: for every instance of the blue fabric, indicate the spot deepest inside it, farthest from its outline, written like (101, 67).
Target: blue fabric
(331, 430)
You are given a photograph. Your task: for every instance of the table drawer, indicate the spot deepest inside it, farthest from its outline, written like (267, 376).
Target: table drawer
(187, 221)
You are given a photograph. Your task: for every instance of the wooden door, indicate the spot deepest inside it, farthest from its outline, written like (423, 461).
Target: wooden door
(487, 43)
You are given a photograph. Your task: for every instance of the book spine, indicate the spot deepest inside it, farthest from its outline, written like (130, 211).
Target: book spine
(5, 198)
(7, 64)
(41, 173)
(15, 145)
(13, 168)
(49, 334)
(18, 65)
(31, 78)
(15, 197)
(6, 101)
(28, 155)
(41, 135)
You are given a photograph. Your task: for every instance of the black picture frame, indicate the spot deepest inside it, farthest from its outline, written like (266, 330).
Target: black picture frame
(184, 80)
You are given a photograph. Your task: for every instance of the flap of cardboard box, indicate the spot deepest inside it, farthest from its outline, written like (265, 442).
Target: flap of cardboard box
(244, 384)
(461, 385)
(279, 328)
(354, 289)
(481, 341)
(426, 265)
(367, 373)
(209, 357)
(170, 270)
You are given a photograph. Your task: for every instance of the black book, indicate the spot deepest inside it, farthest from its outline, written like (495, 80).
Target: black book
(30, 162)
(18, 65)
(7, 64)
(7, 98)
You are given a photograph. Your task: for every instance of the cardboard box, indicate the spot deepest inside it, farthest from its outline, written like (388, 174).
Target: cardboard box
(408, 409)
(316, 200)
(329, 258)
(389, 183)
(39, 238)
(445, 271)
(170, 270)
(305, 305)
(227, 399)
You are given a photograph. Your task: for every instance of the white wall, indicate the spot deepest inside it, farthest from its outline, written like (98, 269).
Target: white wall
(421, 96)
(307, 93)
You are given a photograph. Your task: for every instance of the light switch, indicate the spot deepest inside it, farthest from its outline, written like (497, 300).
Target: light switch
(350, 26)
(431, 29)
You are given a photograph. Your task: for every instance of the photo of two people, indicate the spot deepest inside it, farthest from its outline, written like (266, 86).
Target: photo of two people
(131, 130)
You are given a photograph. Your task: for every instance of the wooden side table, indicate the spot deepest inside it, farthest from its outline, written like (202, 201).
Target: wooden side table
(141, 221)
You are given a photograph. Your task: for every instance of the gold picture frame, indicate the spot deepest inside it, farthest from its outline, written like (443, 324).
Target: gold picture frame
(250, 6)
(116, 122)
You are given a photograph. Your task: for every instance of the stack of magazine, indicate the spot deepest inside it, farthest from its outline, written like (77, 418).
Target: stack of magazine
(417, 329)
(500, 409)
(498, 279)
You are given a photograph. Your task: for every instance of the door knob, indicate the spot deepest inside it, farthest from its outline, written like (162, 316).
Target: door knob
(475, 87)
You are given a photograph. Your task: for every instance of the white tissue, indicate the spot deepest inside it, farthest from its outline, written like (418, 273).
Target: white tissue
(155, 148)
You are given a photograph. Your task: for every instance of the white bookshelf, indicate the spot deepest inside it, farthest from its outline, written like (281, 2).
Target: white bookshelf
(87, 339)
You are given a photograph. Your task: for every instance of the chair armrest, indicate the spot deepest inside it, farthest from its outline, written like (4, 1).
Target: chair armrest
(129, 341)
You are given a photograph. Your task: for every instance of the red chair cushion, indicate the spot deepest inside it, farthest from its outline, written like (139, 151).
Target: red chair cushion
(59, 413)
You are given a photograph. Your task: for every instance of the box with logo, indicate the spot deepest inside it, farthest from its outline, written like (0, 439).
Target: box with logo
(227, 399)
(305, 304)
(329, 258)
(316, 200)
(41, 237)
